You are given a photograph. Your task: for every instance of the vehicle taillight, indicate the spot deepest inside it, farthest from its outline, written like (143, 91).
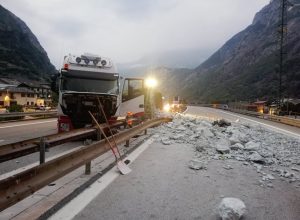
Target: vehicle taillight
(64, 124)
(66, 66)
(112, 120)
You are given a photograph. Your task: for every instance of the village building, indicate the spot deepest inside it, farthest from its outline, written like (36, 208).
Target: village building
(14, 92)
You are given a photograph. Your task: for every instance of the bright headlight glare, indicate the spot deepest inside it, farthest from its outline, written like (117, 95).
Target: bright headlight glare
(151, 83)
(167, 107)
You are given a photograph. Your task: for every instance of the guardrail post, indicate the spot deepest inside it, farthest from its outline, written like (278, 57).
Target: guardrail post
(127, 143)
(88, 165)
(42, 150)
(98, 135)
(88, 168)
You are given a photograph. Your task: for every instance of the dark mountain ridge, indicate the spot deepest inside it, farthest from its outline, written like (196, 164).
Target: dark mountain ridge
(21, 55)
(244, 68)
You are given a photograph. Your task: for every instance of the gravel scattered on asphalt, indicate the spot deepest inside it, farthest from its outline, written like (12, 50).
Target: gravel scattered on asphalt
(273, 154)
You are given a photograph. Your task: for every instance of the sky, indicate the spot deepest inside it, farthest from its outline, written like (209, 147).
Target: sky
(126, 30)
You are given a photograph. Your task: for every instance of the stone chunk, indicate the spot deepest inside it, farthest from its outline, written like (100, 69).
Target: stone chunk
(181, 128)
(177, 137)
(227, 167)
(231, 209)
(237, 146)
(222, 147)
(256, 157)
(197, 164)
(270, 177)
(252, 146)
(165, 141)
(234, 139)
(295, 169)
(221, 123)
(200, 148)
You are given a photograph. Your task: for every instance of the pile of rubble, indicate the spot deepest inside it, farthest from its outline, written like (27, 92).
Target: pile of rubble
(251, 144)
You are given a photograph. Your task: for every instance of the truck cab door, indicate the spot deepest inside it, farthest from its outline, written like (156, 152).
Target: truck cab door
(133, 97)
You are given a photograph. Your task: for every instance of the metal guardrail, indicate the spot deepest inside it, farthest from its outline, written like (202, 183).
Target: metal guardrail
(19, 186)
(284, 120)
(20, 114)
(280, 119)
(26, 147)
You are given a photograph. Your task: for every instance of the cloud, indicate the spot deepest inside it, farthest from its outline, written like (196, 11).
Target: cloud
(128, 30)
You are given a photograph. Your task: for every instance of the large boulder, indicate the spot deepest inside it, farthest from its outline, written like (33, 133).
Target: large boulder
(231, 209)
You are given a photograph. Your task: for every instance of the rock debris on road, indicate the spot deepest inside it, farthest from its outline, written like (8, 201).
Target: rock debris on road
(269, 152)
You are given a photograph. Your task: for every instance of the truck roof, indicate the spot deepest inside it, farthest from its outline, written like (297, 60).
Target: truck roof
(89, 63)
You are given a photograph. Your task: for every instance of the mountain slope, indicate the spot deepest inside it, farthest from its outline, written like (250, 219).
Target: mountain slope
(188, 58)
(244, 67)
(21, 55)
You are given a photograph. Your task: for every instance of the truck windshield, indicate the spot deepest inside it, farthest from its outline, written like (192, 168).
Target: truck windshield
(90, 85)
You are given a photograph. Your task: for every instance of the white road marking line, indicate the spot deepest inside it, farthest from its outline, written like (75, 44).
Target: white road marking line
(187, 108)
(270, 126)
(1, 140)
(82, 200)
(35, 123)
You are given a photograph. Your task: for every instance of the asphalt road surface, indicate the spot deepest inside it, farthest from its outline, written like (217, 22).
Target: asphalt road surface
(18, 131)
(161, 186)
(219, 114)
(22, 130)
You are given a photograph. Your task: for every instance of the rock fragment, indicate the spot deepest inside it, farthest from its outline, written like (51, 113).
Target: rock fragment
(223, 149)
(270, 177)
(256, 157)
(221, 123)
(252, 146)
(228, 167)
(222, 146)
(231, 209)
(234, 139)
(237, 146)
(197, 164)
(177, 137)
(258, 167)
(165, 141)
(181, 128)
(295, 169)
(200, 148)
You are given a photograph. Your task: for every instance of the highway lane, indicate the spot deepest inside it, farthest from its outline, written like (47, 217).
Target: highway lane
(215, 114)
(17, 131)
(161, 186)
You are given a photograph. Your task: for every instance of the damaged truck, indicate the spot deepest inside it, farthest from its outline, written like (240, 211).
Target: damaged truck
(85, 79)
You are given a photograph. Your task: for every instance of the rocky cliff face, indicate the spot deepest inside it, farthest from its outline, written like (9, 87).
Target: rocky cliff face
(245, 66)
(21, 55)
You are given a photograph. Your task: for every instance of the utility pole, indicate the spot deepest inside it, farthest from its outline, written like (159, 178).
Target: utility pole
(282, 46)
(282, 43)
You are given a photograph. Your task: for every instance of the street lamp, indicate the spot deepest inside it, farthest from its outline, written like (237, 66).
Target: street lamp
(150, 83)
(6, 100)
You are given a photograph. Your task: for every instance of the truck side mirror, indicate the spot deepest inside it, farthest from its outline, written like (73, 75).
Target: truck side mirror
(54, 83)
